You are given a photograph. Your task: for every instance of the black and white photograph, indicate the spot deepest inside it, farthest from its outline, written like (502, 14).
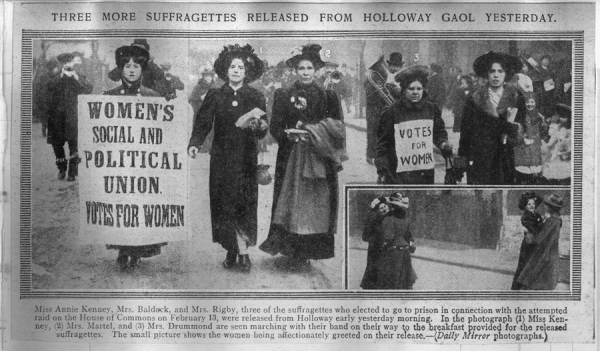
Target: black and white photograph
(474, 240)
(264, 133)
(398, 174)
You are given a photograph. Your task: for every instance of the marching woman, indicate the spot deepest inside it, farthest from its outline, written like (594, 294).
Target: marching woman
(407, 132)
(131, 62)
(492, 121)
(307, 124)
(237, 112)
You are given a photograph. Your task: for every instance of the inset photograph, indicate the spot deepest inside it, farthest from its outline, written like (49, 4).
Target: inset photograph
(488, 239)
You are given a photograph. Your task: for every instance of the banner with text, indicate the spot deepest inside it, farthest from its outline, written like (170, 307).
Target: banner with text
(414, 145)
(133, 170)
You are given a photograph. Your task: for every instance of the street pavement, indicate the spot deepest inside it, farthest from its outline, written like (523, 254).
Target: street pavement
(60, 261)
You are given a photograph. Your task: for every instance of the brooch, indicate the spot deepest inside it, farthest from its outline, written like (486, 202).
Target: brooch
(234, 103)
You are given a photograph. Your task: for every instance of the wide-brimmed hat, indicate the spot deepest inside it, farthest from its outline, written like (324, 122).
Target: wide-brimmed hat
(395, 59)
(331, 64)
(165, 66)
(66, 57)
(510, 63)
(132, 51)
(525, 197)
(412, 73)
(554, 200)
(310, 52)
(207, 72)
(140, 43)
(254, 66)
(374, 205)
(399, 200)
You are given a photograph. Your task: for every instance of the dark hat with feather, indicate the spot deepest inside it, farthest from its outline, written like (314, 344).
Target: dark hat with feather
(310, 52)
(412, 73)
(511, 64)
(254, 66)
(525, 197)
(139, 55)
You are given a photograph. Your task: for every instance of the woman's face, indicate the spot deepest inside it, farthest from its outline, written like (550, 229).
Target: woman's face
(305, 72)
(132, 71)
(414, 91)
(383, 209)
(496, 75)
(530, 205)
(237, 71)
(530, 104)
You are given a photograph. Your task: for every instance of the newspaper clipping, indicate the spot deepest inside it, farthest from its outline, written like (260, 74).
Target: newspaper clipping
(298, 173)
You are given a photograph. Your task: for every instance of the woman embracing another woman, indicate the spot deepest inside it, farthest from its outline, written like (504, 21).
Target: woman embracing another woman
(307, 124)
(237, 112)
(388, 232)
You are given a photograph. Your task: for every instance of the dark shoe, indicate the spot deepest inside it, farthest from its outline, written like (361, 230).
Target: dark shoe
(62, 168)
(122, 261)
(245, 263)
(230, 260)
(72, 169)
(370, 160)
(135, 262)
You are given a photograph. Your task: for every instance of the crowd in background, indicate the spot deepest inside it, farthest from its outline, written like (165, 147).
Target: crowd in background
(548, 83)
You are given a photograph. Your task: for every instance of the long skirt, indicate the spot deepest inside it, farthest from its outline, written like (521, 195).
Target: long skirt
(524, 255)
(395, 270)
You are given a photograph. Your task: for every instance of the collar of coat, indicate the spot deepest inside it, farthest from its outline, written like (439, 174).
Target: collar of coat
(227, 89)
(508, 99)
(308, 87)
(133, 89)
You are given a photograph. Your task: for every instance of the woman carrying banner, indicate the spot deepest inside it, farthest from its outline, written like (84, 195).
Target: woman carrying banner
(308, 125)
(540, 271)
(492, 122)
(131, 62)
(407, 132)
(237, 113)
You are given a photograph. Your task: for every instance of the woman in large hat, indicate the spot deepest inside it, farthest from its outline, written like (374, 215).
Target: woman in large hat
(540, 272)
(131, 62)
(492, 119)
(237, 112)
(389, 264)
(307, 124)
(407, 132)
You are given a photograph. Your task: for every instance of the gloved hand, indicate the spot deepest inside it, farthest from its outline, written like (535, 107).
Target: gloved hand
(446, 149)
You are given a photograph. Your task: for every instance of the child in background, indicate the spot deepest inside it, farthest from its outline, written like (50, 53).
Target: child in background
(528, 155)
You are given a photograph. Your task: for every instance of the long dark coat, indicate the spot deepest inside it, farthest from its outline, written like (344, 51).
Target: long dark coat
(403, 111)
(321, 104)
(233, 187)
(372, 235)
(482, 137)
(62, 111)
(375, 106)
(389, 264)
(540, 272)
